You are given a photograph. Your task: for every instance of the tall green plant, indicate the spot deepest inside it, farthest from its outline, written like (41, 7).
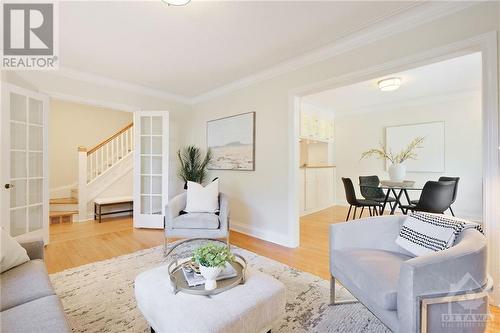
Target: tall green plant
(193, 165)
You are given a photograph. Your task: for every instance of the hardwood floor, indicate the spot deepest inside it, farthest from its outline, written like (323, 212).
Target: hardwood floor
(76, 244)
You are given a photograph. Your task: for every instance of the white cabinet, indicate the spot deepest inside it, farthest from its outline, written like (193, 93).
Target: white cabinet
(316, 128)
(317, 190)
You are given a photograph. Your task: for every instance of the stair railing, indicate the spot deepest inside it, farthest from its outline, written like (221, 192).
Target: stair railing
(95, 161)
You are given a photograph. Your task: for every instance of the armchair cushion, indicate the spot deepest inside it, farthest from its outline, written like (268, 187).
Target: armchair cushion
(196, 221)
(374, 271)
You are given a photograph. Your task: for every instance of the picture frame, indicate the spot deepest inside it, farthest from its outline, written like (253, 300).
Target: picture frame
(231, 141)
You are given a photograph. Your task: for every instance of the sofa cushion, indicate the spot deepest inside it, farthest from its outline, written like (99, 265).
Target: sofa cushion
(196, 221)
(376, 272)
(45, 314)
(24, 283)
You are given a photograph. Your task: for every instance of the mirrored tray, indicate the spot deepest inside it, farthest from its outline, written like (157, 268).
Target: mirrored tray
(179, 282)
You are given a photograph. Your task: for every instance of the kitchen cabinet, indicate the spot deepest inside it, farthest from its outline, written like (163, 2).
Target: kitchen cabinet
(317, 189)
(316, 128)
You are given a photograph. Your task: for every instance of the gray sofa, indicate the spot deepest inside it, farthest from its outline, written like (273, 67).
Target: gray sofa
(410, 294)
(28, 301)
(195, 225)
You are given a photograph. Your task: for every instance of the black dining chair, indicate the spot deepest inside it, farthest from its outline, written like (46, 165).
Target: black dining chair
(436, 197)
(370, 190)
(455, 191)
(350, 195)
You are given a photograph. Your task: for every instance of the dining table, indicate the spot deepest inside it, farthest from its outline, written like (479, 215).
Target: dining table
(398, 191)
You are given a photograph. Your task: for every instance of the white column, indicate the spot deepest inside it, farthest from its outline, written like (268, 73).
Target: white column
(82, 183)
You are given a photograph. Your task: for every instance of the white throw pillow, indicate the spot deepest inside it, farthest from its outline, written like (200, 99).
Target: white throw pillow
(12, 253)
(202, 199)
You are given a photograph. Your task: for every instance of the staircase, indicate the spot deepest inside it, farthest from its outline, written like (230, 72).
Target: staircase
(99, 168)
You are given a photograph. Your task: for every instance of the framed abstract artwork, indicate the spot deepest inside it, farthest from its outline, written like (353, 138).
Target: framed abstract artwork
(232, 142)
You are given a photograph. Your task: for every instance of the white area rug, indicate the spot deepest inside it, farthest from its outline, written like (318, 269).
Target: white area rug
(99, 297)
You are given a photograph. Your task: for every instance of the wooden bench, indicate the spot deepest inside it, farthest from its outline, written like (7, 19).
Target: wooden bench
(111, 201)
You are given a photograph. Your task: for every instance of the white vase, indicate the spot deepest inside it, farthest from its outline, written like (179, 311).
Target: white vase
(397, 172)
(210, 274)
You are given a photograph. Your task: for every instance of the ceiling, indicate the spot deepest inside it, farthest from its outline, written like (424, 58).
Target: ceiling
(440, 78)
(194, 49)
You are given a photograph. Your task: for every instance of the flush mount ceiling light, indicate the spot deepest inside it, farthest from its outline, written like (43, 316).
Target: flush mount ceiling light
(176, 2)
(389, 84)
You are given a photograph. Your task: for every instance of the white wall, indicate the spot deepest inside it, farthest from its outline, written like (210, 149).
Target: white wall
(72, 125)
(461, 113)
(260, 201)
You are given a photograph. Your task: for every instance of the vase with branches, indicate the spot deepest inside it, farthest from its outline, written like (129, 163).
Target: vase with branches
(397, 170)
(193, 166)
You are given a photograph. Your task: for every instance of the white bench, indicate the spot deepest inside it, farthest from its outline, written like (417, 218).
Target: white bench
(111, 201)
(253, 307)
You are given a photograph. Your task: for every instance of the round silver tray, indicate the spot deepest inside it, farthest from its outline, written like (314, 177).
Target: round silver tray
(179, 283)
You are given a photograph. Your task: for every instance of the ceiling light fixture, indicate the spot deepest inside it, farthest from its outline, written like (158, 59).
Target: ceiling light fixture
(389, 84)
(176, 2)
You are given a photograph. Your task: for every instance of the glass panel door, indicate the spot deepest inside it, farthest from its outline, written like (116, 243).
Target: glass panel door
(151, 172)
(24, 168)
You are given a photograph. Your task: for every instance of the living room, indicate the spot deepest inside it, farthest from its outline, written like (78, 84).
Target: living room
(203, 74)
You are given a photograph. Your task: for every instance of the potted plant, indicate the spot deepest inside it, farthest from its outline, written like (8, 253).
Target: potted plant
(212, 259)
(192, 166)
(397, 170)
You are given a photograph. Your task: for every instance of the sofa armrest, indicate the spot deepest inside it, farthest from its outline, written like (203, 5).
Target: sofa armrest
(174, 206)
(458, 269)
(368, 233)
(34, 248)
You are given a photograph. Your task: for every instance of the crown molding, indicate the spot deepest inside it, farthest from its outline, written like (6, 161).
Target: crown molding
(91, 102)
(118, 84)
(401, 22)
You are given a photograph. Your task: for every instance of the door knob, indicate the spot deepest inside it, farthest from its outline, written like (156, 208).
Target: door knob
(7, 186)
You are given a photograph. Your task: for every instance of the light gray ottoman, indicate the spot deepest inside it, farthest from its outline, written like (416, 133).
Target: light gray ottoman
(252, 307)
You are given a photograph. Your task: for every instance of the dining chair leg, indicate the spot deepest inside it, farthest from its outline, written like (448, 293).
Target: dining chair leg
(370, 210)
(361, 214)
(354, 216)
(452, 213)
(375, 211)
(348, 213)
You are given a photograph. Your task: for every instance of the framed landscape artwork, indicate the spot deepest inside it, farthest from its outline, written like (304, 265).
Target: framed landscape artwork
(232, 142)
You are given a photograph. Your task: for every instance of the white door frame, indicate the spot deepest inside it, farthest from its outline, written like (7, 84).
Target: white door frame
(5, 171)
(484, 43)
(150, 220)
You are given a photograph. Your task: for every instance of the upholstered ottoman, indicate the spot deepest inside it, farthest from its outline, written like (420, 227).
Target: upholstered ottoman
(252, 307)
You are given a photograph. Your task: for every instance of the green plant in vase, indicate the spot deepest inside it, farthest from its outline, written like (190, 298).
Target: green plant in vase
(397, 170)
(212, 259)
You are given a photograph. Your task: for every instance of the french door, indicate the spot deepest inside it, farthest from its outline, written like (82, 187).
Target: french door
(150, 168)
(24, 165)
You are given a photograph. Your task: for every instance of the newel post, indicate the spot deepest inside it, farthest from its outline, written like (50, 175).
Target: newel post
(82, 183)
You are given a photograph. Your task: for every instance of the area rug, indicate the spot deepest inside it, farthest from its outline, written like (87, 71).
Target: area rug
(99, 297)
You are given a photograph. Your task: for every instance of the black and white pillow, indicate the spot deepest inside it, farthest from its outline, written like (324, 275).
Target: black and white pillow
(424, 233)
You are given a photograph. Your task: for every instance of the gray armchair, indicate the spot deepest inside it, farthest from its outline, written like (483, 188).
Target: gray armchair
(407, 293)
(195, 225)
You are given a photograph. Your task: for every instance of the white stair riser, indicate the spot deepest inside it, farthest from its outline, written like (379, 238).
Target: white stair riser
(63, 207)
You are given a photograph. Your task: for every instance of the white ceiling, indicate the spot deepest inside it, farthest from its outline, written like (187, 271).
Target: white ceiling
(193, 49)
(445, 77)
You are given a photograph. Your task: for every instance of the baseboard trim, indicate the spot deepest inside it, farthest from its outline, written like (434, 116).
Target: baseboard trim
(265, 235)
